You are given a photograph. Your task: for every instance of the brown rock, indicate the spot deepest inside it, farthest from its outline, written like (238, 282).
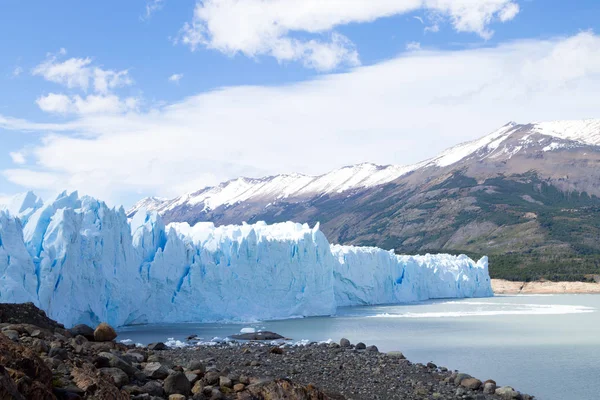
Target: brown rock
(285, 389)
(96, 385)
(198, 388)
(35, 378)
(471, 383)
(238, 387)
(8, 388)
(104, 333)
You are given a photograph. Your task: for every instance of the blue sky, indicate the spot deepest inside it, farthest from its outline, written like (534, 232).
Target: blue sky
(261, 87)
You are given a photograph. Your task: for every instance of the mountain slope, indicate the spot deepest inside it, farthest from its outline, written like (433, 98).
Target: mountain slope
(527, 194)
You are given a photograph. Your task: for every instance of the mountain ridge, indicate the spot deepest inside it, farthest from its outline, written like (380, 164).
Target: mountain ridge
(366, 175)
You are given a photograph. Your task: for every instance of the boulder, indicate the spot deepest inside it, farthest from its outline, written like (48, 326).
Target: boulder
(396, 354)
(471, 383)
(119, 377)
(361, 346)
(115, 361)
(153, 388)
(489, 387)
(372, 349)
(104, 333)
(459, 378)
(239, 387)
(224, 381)
(264, 335)
(211, 378)
(177, 383)
(84, 330)
(507, 393)
(134, 357)
(157, 346)
(177, 397)
(345, 342)
(11, 334)
(154, 370)
(59, 353)
(198, 388)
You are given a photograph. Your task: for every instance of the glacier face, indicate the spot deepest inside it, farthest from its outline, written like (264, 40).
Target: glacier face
(83, 262)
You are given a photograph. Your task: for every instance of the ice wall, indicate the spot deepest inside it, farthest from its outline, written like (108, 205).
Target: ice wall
(82, 261)
(369, 275)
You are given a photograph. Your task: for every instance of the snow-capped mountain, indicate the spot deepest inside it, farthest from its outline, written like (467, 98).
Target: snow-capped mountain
(498, 146)
(450, 202)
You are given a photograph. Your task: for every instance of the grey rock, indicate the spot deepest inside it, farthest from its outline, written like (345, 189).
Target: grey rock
(177, 383)
(196, 366)
(11, 334)
(117, 362)
(396, 354)
(345, 342)
(489, 387)
(134, 357)
(507, 393)
(192, 377)
(59, 353)
(211, 378)
(153, 388)
(224, 381)
(119, 377)
(372, 349)
(83, 330)
(361, 346)
(155, 370)
(264, 335)
(157, 346)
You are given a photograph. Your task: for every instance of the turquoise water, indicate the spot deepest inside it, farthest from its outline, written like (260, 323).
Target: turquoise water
(546, 345)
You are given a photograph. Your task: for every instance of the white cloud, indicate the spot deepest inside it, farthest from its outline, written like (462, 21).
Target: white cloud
(256, 27)
(78, 73)
(55, 103)
(413, 46)
(175, 78)
(91, 104)
(18, 157)
(17, 71)
(400, 111)
(152, 6)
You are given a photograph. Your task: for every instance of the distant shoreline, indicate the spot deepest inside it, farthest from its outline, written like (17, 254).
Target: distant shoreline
(501, 286)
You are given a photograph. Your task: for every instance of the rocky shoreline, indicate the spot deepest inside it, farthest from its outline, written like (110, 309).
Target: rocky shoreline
(501, 286)
(51, 362)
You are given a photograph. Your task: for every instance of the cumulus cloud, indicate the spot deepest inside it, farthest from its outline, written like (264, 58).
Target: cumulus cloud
(79, 73)
(256, 27)
(399, 111)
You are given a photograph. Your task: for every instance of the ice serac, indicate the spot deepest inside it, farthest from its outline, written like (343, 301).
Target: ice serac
(83, 262)
(17, 273)
(369, 275)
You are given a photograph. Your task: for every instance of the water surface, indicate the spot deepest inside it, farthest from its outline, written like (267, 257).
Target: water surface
(545, 345)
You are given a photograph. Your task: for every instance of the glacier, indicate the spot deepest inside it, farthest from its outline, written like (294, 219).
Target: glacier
(83, 262)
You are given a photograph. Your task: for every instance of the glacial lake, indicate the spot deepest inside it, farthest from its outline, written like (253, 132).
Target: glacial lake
(544, 345)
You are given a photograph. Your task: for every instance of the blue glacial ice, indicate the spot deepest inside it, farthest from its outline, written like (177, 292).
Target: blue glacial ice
(83, 262)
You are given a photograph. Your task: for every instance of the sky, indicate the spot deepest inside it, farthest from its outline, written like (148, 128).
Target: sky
(126, 99)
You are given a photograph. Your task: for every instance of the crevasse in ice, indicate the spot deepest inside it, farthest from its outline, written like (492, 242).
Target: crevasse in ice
(83, 262)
